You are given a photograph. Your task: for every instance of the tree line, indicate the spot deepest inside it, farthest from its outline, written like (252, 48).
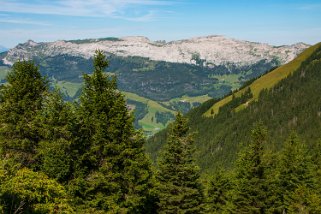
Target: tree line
(87, 157)
(82, 157)
(292, 104)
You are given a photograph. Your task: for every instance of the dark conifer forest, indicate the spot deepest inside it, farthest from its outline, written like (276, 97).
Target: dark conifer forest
(86, 156)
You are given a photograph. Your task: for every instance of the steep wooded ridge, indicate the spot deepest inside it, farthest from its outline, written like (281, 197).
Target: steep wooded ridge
(294, 103)
(161, 77)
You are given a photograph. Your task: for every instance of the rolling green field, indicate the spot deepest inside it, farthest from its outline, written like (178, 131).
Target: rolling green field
(149, 123)
(69, 88)
(189, 99)
(229, 79)
(265, 82)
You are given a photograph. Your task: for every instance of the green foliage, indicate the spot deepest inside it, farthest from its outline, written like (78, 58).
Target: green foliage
(57, 127)
(269, 80)
(163, 117)
(219, 196)
(89, 148)
(304, 200)
(262, 182)
(141, 109)
(86, 157)
(156, 80)
(115, 173)
(292, 104)
(27, 191)
(250, 192)
(180, 106)
(293, 177)
(179, 188)
(20, 101)
(236, 101)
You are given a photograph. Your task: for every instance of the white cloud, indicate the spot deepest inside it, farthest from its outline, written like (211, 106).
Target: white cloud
(88, 8)
(22, 22)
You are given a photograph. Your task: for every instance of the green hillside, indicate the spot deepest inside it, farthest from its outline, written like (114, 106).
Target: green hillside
(265, 82)
(58, 156)
(286, 99)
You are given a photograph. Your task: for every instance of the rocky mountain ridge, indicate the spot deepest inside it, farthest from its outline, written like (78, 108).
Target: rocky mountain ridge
(207, 51)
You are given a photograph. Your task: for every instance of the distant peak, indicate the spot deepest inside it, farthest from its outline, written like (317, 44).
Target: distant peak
(31, 43)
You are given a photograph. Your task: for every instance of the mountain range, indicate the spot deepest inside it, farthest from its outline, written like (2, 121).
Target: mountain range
(285, 100)
(210, 50)
(157, 77)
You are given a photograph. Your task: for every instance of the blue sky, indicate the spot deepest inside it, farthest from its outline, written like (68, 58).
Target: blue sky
(270, 21)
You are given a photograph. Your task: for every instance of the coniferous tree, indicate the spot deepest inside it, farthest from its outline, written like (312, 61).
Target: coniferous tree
(293, 175)
(20, 100)
(219, 192)
(179, 188)
(316, 158)
(113, 173)
(57, 128)
(250, 185)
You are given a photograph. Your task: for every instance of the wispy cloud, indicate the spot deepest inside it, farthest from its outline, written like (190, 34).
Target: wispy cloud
(11, 37)
(22, 22)
(146, 9)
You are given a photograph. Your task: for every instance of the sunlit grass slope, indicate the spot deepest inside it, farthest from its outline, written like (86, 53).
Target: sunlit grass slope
(265, 82)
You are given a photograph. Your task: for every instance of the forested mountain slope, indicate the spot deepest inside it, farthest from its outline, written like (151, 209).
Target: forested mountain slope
(292, 104)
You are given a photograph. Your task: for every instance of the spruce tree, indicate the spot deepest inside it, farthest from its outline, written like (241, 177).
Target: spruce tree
(219, 192)
(250, 185)
(293, 175)
(20, 100)
(114, 173)
(57, 127)
(179, 188)
(316, 157)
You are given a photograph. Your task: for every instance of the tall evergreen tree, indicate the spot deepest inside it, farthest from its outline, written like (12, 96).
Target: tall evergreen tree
(115, 173)
(250, 184)
(293, 175)
(20, 100)
(57, 128)
(179, 188)
(316, 157)
(220, 192)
